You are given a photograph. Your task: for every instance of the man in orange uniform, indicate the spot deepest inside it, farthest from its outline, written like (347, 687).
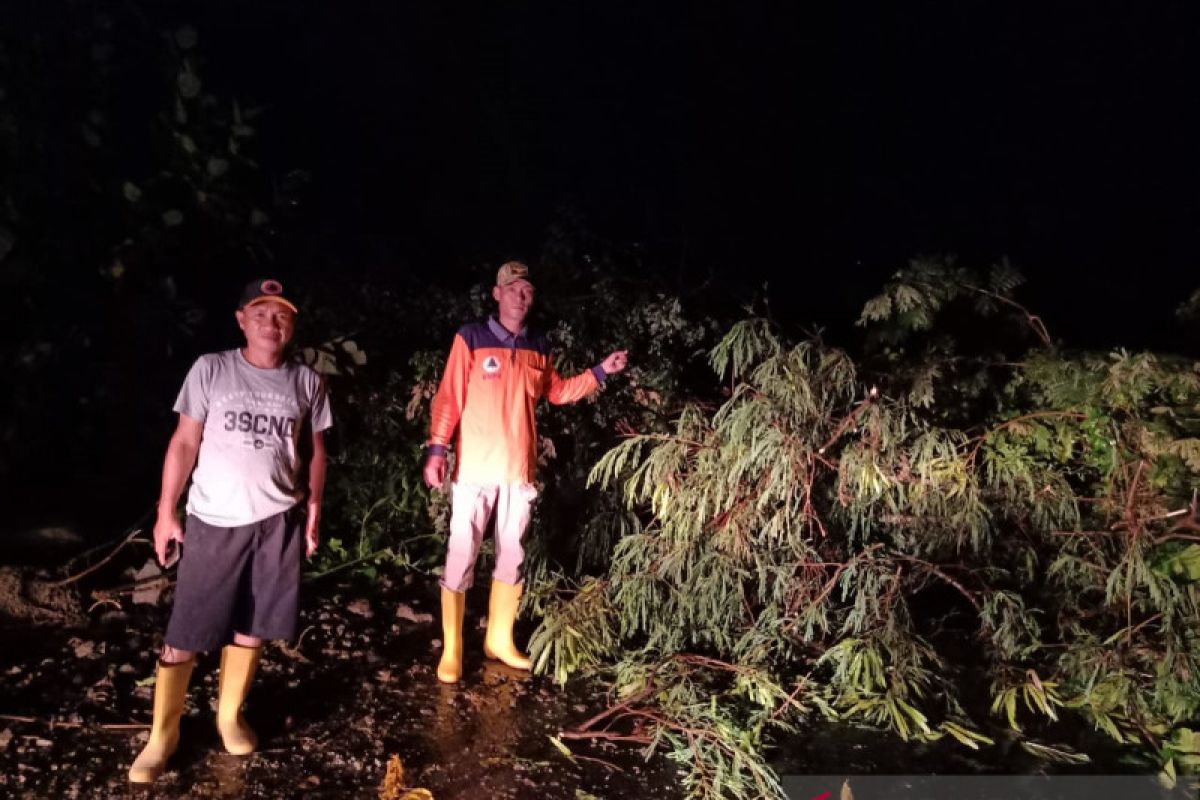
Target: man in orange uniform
(496, 372)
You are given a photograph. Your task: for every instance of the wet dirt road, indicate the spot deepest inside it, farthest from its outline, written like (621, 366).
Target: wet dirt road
(357, 689)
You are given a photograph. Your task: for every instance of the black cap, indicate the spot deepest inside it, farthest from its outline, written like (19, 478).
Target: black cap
(262, 290)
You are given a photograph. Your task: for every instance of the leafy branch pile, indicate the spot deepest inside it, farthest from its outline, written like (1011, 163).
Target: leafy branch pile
(828, 539)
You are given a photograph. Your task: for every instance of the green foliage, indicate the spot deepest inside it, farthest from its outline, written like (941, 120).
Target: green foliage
(792, 540)
(376, 499)
(912, 300)
(581, 635)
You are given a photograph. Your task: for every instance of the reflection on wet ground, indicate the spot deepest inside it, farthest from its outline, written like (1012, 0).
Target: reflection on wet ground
(358, 688)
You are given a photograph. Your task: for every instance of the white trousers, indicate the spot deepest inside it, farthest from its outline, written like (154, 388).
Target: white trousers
(471, 507)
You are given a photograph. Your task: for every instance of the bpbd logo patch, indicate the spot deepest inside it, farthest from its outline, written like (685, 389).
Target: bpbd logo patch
(491, 368)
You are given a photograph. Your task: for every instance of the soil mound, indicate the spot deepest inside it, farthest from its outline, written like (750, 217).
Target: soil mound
(27, 599)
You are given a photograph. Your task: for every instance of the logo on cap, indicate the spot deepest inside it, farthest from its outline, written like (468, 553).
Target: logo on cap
(262, 290)
(511, 272)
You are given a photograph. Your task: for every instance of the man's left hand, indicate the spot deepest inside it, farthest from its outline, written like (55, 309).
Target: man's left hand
(615, 362)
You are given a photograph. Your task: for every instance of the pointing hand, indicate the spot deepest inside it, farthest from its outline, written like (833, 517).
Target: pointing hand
(615, 362)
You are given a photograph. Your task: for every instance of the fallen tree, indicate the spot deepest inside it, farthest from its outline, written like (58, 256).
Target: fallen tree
(828, 539)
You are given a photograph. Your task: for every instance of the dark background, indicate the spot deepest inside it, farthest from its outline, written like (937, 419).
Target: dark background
(812, 148)
(817, 146)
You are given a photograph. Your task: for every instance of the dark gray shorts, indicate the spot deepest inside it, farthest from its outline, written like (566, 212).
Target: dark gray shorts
(244, 580)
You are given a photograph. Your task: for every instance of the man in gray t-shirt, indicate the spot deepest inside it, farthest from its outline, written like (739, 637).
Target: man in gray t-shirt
(245, 417)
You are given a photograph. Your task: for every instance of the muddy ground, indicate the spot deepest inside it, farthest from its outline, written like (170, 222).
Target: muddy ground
(357, 688)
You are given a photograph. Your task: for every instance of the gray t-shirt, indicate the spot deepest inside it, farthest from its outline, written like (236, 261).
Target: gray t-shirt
(248, 464)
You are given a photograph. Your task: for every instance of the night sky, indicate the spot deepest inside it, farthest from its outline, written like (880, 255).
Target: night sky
(817, 146)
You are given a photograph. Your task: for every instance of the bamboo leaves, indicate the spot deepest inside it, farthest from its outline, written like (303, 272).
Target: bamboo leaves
(795, 535)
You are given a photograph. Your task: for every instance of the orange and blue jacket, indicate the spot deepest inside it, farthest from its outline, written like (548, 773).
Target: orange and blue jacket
(489, 390)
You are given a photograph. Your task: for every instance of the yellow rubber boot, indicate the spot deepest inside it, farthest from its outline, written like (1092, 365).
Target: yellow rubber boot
(502, 613)
(449, 669)
(238, 665)
(170, 691)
